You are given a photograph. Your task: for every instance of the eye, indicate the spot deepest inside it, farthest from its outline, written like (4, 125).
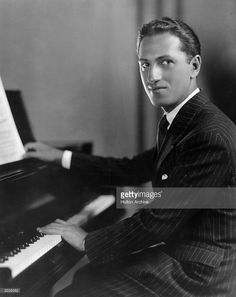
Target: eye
(166, 62)
(144, 66)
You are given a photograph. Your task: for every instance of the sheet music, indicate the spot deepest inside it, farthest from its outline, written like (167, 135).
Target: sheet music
(11, 146)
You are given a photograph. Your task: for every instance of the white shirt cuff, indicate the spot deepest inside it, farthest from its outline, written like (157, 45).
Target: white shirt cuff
(66, 159)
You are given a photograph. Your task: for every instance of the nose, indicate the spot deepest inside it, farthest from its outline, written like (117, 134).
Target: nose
(154, 74)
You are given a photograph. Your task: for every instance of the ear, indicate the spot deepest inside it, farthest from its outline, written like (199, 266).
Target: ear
(196, 66)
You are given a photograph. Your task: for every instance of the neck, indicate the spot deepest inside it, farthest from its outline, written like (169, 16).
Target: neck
(192, 88)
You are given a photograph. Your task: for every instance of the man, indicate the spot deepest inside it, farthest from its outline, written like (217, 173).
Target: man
(196, 148)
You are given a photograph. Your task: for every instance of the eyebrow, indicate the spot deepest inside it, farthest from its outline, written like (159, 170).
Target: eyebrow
(158, 58)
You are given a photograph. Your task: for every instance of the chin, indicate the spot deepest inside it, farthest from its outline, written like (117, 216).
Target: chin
(158, 102)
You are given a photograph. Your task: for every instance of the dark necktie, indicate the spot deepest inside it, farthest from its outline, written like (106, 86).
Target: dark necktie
(162, 129)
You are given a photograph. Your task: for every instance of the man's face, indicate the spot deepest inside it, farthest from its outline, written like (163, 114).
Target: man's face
(165, 70)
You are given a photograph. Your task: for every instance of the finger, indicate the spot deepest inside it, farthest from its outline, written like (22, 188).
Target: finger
(30, 154)
(61, 221)
(50, 230)
(54, 225)
(30, 145)
(33, 146)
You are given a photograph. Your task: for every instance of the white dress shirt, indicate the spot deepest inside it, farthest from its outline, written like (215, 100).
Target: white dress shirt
(172, 114)
(66, 159)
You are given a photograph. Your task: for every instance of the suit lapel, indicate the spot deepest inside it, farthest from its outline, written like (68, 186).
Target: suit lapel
(180, 125)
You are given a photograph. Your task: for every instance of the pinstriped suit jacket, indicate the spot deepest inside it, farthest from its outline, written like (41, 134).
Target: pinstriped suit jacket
(199, 257)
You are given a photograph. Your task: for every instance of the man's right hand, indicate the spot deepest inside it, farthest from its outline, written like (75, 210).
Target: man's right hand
(43, 152)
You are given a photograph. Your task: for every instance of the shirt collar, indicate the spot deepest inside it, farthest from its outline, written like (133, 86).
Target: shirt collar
(172, 114)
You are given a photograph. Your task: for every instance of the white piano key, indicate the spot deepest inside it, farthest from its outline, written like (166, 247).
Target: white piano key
(43, 245)
(31, 254)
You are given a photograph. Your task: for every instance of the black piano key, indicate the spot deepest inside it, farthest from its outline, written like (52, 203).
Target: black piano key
(13, 244)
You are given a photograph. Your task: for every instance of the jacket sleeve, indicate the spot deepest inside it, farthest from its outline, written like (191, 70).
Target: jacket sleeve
(202, 162)
(115, 171)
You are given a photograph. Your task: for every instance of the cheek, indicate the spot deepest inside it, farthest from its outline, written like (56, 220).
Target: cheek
(179, 78)
(143, 76)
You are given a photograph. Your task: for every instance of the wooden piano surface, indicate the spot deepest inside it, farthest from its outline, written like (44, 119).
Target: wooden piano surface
(34, 197)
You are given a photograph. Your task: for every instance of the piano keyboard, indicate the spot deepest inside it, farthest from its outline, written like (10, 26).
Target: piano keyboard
(21, 258)
(25, 254)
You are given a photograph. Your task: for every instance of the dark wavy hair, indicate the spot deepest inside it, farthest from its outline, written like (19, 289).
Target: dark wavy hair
(190, 43)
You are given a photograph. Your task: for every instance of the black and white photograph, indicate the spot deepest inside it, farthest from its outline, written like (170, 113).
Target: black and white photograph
(117, 148)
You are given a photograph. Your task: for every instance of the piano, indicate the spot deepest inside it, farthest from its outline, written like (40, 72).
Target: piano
(33, 194)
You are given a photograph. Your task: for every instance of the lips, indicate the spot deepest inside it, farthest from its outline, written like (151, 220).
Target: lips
(156, 88)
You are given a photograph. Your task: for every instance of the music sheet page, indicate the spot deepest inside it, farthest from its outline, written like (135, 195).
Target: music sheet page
(11, 146)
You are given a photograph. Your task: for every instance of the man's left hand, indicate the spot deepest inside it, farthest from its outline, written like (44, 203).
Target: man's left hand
(71, 233)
